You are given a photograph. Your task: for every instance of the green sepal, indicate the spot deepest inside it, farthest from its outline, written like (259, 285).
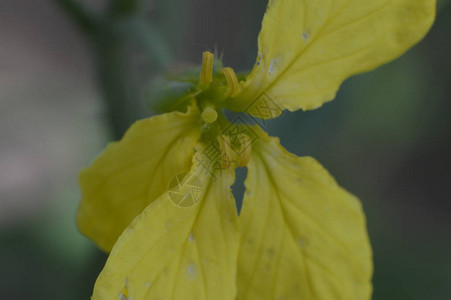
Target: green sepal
(165, 95)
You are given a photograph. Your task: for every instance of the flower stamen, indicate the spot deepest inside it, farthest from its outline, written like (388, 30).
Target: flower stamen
(236, 153)
(206, 75)
(232, 81)
(245, 149)
(226, 151)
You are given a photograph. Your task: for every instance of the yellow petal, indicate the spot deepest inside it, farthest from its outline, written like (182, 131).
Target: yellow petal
(175, 252)
(303, 237)
(307, 48)
(129, 174)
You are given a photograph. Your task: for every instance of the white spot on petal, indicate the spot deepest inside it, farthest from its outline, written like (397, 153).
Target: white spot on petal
(148, 284)
(259, 60)
(168, 224)
(191, 237)
(306, 35)
(301, 243)
(271, 68)
(122, 297)
(191, 272)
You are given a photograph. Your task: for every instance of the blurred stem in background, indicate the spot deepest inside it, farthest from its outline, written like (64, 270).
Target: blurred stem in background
(121, 27)
(111, 33)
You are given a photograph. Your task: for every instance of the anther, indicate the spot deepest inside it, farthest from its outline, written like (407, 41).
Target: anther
(226, 152)
(245, 149)
(206, 75)
(232, 81)
(237, 154)
(209, 114)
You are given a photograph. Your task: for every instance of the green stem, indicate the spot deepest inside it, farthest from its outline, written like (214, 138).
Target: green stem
(124, 7)
(111, 34)
(118, 85)
(151, 42)
(82, 16)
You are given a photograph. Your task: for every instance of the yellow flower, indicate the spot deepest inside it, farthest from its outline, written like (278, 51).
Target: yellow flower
(299, 235)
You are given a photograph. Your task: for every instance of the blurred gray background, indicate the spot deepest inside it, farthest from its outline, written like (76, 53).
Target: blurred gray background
(386, 137)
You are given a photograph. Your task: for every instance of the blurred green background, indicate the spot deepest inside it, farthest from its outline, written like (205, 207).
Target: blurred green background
(70, 83)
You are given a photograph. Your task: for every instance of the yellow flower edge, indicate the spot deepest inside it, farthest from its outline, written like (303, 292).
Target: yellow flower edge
(173, 252)
(130, 174)
(307, 48)
(302, 235)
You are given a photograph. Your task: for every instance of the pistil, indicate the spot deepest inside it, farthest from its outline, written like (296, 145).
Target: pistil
(209, 114)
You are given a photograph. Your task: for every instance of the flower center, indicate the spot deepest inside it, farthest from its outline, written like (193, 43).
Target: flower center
(234, 153)
(231, 143)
